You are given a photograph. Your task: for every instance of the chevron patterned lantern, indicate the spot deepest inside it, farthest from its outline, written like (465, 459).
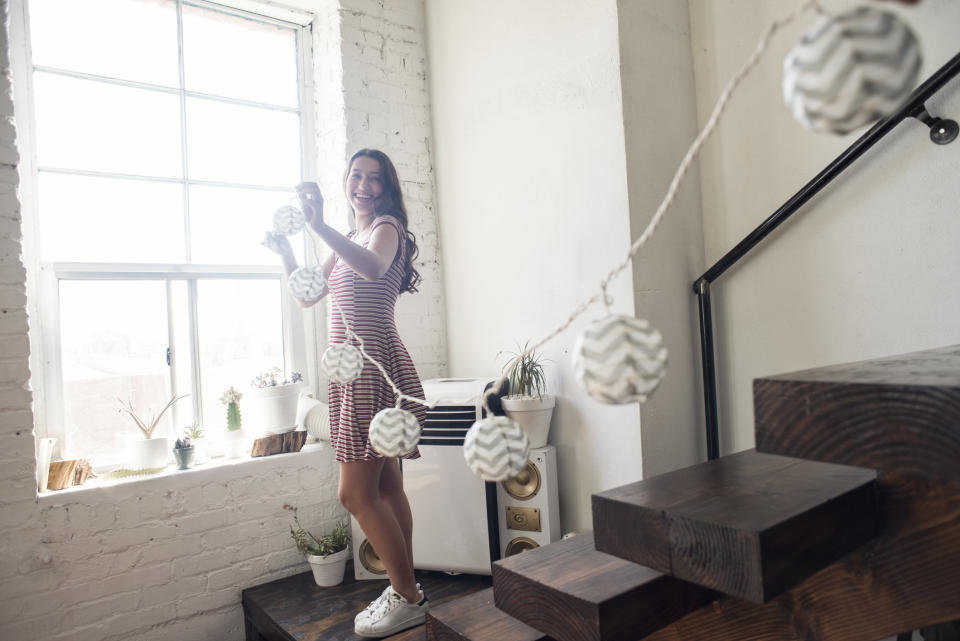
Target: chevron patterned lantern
(620, 359)
(342, 363)
(288, 220)
(850, 69)
(496, 448)
(307, 283)
(394, 432)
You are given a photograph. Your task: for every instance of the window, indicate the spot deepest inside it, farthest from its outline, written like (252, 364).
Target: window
(157, 138)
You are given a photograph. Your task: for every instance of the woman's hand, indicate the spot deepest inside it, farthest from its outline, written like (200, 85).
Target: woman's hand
(311, 201)
(277, 243)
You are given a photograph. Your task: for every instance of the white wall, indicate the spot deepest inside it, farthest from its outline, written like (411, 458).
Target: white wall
(532, 195)
(167, 557)
(865, 270)
(660, 122)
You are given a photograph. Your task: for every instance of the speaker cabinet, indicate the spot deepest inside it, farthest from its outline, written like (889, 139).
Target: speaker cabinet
(366, 563)
(529, 504)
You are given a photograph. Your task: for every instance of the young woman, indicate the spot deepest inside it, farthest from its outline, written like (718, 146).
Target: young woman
(368, 269)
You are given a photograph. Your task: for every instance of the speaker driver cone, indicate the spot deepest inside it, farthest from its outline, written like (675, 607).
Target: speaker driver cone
(525, 485)
(520, 544)
(370, 560)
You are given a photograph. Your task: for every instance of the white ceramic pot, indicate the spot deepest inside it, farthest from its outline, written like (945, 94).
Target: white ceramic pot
(150, 453)
(236, 444)
(533, 414)
(328, 570)
(272, 410)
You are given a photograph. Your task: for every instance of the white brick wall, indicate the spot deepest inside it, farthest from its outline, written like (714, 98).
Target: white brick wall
(387, 106)
(167, 557)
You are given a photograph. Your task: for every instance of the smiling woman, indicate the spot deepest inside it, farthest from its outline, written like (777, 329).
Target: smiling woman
(368, 269)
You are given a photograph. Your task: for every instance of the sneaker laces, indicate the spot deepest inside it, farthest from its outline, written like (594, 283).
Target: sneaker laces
(376, 603)
(389, 602)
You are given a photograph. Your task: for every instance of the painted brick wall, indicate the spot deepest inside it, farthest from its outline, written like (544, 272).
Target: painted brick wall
(167, 557)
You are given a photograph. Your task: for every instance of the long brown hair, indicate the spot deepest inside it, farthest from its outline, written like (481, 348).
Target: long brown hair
(390, 203)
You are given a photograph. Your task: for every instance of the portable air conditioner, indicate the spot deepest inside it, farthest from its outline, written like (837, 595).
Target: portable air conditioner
(455, 526)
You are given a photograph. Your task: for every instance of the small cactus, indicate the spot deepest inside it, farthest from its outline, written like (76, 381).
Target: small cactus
(233, 416)
(231, 398)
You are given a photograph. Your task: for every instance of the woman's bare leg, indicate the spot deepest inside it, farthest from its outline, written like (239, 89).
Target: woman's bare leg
(391, 490)
(360, 494)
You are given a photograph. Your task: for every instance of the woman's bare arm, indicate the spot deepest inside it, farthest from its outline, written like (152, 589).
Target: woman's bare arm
(370, 263)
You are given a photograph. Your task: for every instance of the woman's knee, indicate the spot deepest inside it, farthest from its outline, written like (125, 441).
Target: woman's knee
(353, 500)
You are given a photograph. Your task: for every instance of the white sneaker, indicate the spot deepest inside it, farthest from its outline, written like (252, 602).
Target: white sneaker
(375, 604)
(392, 614)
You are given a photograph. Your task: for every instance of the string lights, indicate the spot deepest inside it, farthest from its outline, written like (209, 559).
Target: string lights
(617, 358)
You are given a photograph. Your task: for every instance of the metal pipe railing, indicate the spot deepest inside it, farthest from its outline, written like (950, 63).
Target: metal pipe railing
(913, 107)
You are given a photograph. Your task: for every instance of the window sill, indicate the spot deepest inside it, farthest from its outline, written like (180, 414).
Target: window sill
(217, 469)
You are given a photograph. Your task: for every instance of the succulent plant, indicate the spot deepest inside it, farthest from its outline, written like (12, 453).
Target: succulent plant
(273, 377)
(328, 544)
(182, 443)
(193, 430)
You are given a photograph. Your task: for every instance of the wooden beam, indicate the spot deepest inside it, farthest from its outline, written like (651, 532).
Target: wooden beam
(749, 525)
(907, 578)
(896, 415)
(476, 618)
(571, 592)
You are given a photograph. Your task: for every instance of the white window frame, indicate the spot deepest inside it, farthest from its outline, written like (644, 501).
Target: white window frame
(300, 335)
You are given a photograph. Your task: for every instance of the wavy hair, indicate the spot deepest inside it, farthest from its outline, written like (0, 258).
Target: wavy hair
(390, 203)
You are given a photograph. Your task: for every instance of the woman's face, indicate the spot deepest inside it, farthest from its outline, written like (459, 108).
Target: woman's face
(364, 184)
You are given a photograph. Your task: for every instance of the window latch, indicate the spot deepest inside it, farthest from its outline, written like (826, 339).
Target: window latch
(168, 357)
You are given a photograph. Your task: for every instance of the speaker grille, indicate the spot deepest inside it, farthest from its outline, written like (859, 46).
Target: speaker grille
(525, 485)
(520, 544)
(369, 559)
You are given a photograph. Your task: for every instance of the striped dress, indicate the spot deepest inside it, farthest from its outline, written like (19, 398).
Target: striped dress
(369, 308)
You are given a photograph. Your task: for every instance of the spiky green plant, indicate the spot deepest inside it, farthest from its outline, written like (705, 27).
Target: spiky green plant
(233, 416)
(147, 427)
(324, 546)
(231, 398)
(193, 431)
(526, 375)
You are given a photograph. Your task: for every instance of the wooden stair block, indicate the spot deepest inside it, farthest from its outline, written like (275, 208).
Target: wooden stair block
(476, 618)
(896, 415)
(571, 592)
(749, 525)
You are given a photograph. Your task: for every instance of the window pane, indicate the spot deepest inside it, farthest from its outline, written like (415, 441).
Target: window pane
(82, 124)
(85, 218)
(233, 143)
(227, 225)
(114, 341)
(126, 39)
(230, 56)
(239, 324)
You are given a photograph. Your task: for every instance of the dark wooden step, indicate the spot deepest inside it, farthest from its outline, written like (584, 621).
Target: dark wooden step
(571, 592)
(296, 609)
(897, 415)
(476, 618)
(750, 525)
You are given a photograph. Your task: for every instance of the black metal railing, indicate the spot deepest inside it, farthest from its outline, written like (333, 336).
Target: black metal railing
(941, 132)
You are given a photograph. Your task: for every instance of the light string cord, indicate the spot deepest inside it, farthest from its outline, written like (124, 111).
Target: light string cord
(692, 152)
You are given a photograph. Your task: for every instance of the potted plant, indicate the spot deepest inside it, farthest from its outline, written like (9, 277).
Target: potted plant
(235, 441)
(327, 554)
(526, 403)
(272, 402)
(183, 453)
(195, 434)
(149, 452)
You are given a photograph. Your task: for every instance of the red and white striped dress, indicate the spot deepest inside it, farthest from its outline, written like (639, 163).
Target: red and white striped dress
(369, 308)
